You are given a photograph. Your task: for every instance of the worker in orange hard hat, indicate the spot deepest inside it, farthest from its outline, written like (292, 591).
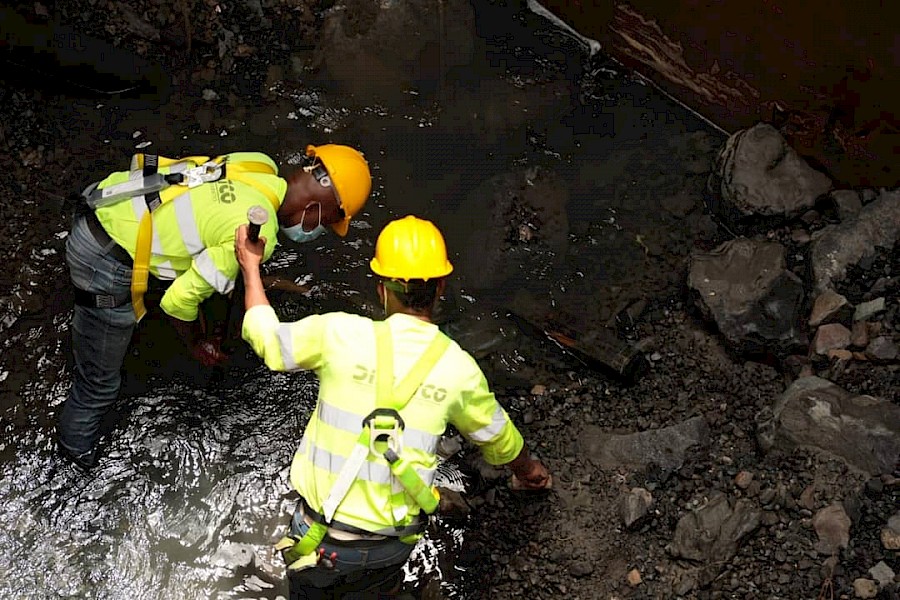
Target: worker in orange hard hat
(345, 174)
(174, 219)
(388, 389)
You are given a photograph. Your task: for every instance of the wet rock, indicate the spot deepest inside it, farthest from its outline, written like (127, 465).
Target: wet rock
(862, 430)
(712, 533)
(882, 349)
(890, 534)
(859, 335)
(800, 236)
(865, 588)
(452, 503)
(846, 203)
(232, 555)
(830, 307)
(866, 310)
(883, 574)
(832, 525)
(757, 173)
(743, 479)
(744, 287)
(830, 337)
(581, 569)
(838, 247)
(634, 506)
(664, 448)
(449, 446)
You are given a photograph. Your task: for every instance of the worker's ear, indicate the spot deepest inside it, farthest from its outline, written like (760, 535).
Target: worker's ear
(379, 287)
(442, 284)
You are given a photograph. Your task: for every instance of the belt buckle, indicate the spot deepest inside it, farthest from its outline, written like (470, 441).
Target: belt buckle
(105, 301)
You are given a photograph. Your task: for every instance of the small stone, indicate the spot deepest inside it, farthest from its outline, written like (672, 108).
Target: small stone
(867, 310)
(883, 574)
(865, 588)
(831, 336)
(538, 390)
(210, 95)
(859, 334)
(840, 354)
(800, 236)
(829, 307)
(581, 569)
(833, 528)
(743, 479)
(890, 539)
(634, 578)
(808, 497)
(882, 349)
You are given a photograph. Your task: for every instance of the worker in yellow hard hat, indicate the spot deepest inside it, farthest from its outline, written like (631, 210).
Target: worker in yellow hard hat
(175, 219)
(388, 389)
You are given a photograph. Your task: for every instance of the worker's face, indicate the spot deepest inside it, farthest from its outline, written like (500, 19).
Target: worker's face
(311, 207)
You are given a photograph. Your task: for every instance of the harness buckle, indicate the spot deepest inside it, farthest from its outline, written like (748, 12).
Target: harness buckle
(206, 173)
(385, 425)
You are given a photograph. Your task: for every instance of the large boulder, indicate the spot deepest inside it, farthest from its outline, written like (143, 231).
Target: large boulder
(744, 287)
(838, 247)
(757, 174)
(864, 431)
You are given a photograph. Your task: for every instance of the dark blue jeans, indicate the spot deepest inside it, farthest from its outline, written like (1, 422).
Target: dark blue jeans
(100, 339)
(361, 569)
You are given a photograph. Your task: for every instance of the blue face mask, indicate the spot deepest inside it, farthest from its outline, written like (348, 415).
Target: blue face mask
(295, 233)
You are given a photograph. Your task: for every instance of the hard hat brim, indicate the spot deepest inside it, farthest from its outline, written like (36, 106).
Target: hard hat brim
(341, 227)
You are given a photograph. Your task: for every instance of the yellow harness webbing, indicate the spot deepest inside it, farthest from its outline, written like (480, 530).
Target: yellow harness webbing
(140, 275)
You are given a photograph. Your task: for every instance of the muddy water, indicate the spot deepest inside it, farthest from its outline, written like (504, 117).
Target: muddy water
(562, 184)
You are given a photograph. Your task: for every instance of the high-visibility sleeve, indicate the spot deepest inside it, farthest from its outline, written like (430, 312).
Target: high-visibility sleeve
(482, 420)
(182, 299)
(284, 346)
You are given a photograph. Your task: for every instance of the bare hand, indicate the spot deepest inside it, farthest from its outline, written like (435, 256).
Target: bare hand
(209, 352)
(249, 254)
(534, 476)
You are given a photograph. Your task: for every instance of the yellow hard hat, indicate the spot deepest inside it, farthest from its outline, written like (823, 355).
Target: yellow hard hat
(350, 177)
(411, 248)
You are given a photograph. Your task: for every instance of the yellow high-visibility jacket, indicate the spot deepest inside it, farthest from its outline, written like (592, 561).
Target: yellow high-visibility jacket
(193, 234)
(341, 349)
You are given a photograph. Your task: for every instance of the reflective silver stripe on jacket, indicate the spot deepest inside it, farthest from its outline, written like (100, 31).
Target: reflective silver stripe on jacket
(211, 273)
(164, 270)
(370, 471)
(286, 345)
(350, 422)
(489, 432)
(187, 226)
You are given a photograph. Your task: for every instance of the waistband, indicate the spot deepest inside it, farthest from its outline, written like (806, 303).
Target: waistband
(417, 527)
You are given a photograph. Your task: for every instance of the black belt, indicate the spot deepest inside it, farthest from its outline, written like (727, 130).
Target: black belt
(114, 250)
(318, 517)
